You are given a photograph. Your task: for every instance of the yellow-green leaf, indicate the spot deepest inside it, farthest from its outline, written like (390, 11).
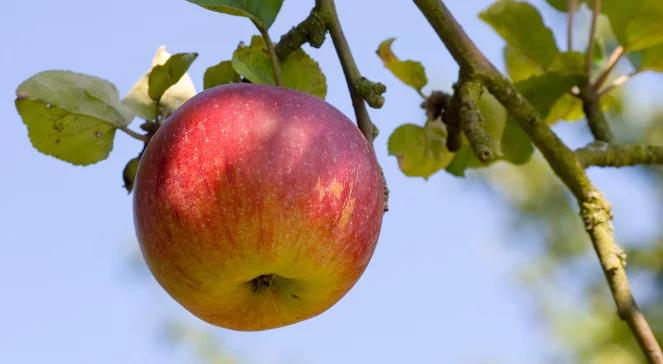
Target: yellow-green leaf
(519, 66)
(71, 116)
(72, 137)
(220, 74)
(420, 151)
(636, 23)
(522, 27)
(568, 63)
(412, 73)
(652, 59)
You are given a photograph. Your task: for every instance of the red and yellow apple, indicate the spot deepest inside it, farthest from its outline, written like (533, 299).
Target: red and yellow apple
(256, 206)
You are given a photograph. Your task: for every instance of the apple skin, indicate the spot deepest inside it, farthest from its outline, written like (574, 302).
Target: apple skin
(257, 206)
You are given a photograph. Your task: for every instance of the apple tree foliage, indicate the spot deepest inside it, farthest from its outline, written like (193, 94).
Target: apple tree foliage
(470, 125)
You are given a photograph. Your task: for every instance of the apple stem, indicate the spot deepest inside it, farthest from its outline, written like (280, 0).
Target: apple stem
(272, 54)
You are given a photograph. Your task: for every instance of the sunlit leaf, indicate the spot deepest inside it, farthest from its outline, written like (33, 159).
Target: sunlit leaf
(299, 71)
(410, 72)
(71, 116)
(567, 107)
(519, 66)
(652, 59)
(636, 23)
(522, 27)
(253, 62)
(263, 12)
(420, 151)
(163, 76)
(139, 102)
(220, 74)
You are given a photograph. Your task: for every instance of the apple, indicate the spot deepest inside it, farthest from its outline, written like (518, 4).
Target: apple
(257, 206)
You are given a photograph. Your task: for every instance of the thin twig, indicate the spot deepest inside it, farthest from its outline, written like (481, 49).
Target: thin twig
(590, 44)
(570, 12)
(272, 53)
(608, 67)
(134, 134)
(618, 82)
(352, 75)
(595, 210)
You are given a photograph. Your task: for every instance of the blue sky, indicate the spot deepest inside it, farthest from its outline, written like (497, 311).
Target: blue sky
(437, 290)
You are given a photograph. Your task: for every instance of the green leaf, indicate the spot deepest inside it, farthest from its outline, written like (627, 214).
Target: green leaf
(562, 5)
(516, 146)
(652, 59)
(519, 66)
(420, 151)
(262, 12)
(411, 73)
(220, 74)
(303, 73)
(568, 63)
(163, 76)
(76, 93)
(253, 62)
(636, 23)
(71, 116)
(544, 90)
(129, 173)
(299, 71)
(522, 27)
(141, 104)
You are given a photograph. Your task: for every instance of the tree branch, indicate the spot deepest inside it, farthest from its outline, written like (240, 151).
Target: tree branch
(352, 76)
(469, 91)
(595, 210)
(598, 124)
(610, 155)
(312, 30)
